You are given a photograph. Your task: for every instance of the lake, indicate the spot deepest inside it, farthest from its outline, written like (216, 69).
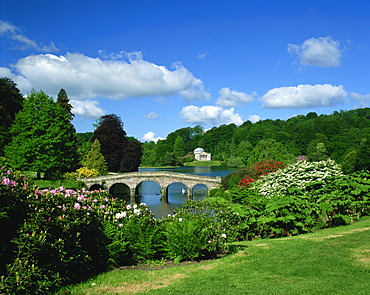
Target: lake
(149, 191)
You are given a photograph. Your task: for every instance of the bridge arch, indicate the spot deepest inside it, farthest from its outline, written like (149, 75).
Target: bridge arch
(164, 179)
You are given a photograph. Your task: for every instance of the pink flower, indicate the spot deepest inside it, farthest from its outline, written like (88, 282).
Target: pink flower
(77, 206)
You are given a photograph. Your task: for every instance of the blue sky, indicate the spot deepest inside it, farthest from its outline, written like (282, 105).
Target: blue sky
(165, 65)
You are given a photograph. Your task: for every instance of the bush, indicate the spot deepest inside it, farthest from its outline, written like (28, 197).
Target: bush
(134, 235)
(61, 241)
(82, 172)
(14, 191)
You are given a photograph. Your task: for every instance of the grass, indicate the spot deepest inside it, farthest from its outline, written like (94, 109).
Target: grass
(46, 183)
(203, 163)
(331, 261)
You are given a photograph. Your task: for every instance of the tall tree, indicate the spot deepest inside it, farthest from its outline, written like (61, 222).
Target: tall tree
(11, 101)
(112, 138)
(42, 138)
(131, 157)
(63, 101)
(179, 146)
(95, 159)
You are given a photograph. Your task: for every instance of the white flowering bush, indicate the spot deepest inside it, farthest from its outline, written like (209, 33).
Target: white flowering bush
(134, 235)
(298, 176)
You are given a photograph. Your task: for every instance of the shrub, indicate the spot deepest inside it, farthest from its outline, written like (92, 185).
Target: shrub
(298, 176)
(82, 172)
(61, 241)
(14, 191)
(134, 235)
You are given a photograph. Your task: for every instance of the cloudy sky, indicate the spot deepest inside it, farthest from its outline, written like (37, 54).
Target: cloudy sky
(163, 65)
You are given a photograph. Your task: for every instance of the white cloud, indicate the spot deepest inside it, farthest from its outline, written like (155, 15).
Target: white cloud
(85, 77)
(254, 118)
(14, 33)
(304, 96)
(202, 55)
(210, 115)
(87, 109)
(320, 52)
(150, 136)
(232, 98)
(151, 115)
(364, 100)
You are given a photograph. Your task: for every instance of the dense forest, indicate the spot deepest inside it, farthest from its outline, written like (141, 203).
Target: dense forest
(314, 136)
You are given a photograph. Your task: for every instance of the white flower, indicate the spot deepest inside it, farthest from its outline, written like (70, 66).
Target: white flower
(180, 219)
(223, 235)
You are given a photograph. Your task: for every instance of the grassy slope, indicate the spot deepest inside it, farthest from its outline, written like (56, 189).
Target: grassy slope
(332, 261)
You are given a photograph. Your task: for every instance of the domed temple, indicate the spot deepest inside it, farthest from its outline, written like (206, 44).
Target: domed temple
(201, 155)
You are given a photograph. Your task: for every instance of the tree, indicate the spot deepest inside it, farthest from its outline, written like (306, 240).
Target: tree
(179, 146)
(63, 101)
(43, 140)
(269, 149)
(95, 159)
(131, 158)
(11, 101)
(112, 138)
(120, 153)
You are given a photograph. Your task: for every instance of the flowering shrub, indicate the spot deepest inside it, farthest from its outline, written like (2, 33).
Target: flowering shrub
(82, 172)
(245, 182)
(14, 190)
(61, 240)
(297, 176)
(134, 235)
(254, 171)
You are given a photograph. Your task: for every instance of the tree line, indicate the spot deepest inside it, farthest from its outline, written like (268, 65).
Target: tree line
(36, 134)
(343, 136)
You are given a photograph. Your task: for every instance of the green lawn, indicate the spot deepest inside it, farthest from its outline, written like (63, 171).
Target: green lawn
(45, 183)
(203, 163)
(331, 261)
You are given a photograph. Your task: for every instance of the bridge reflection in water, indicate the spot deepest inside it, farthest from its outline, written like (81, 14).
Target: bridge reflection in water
(163, 192)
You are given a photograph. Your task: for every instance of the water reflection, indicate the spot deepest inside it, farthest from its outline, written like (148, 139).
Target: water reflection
(149, 192)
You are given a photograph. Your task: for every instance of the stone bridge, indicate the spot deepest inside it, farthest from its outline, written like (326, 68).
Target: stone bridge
(132, 180)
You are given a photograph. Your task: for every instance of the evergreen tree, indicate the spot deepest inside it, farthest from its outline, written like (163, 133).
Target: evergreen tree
(95, 159)
(43, 140)
(63, 101)
(11, 101)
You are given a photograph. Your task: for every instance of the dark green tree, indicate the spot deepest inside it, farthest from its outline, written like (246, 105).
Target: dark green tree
(11, 101)
(95, 159)
(63, 101)
(112, 139)
(121, 154)
(43, 139)
(131, 158)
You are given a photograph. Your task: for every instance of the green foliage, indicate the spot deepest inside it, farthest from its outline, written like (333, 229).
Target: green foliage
(14, 191)
(134, 236)
(270, 149)
(63, 101)
(254, 172)
(185, 239)
(349, 162)
(42, 138)
(120, 153)
(10, 104)
(95, 159)
(179, 146)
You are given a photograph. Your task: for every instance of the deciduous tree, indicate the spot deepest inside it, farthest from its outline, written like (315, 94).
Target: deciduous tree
(43, 140)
